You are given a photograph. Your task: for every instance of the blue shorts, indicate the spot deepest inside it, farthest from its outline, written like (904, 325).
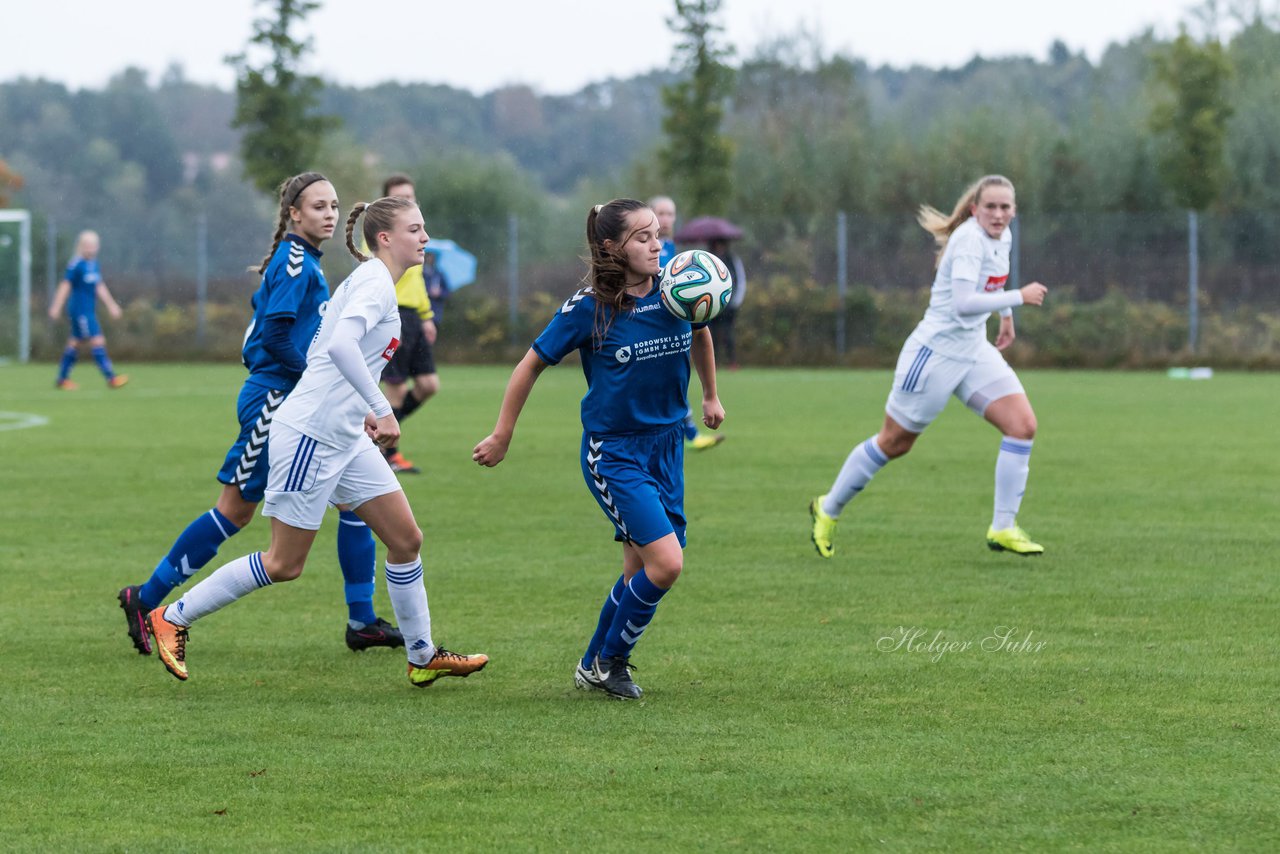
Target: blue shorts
(85, 326)
(638, 481)
(246, 464)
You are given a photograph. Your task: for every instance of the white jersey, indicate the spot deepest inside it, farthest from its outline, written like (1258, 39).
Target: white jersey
(324, 405)
(973, 264)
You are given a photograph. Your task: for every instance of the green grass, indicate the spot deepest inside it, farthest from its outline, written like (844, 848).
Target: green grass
(771, 721)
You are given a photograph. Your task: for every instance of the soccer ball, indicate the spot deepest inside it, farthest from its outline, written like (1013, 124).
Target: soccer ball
(695, 286)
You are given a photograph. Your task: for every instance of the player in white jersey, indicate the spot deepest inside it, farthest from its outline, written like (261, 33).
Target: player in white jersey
(323, 449)
(948, 354)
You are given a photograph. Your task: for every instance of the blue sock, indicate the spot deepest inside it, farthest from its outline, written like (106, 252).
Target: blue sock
(690, 427)
(104, 363)
(606, 620)
(357, 555)
(194, 547)
(69, 357)
(635, 610)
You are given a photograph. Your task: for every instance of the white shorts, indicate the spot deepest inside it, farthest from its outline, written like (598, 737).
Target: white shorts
(924, 380)
(306, 476)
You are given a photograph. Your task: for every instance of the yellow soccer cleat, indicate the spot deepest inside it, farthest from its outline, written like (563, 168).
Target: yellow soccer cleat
(702, 441)
(1012, 540)
(824, 528)
(445, 663)
(170, 642)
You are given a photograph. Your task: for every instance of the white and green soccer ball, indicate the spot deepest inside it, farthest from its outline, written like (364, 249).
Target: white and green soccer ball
(695, 286)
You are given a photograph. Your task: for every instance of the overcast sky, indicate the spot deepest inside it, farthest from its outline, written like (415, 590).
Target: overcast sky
(556, 46)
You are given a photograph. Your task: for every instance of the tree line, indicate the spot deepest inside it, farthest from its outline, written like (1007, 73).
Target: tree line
(1105, 154)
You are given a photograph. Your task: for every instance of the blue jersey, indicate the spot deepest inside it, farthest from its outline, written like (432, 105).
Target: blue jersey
(292, 286)
(668, 252)
(84, 276)
(638, 379)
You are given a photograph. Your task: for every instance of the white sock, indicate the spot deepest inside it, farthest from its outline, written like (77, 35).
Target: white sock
(1012, 467)
(409, 601)
(220, 588)
(861, 465)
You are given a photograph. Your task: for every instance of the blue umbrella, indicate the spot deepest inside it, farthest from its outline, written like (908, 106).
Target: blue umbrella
(457, 264)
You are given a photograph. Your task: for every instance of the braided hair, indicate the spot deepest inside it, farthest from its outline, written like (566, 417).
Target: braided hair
(379, 216)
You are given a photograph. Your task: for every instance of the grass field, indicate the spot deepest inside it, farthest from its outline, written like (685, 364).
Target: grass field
(1133, 706)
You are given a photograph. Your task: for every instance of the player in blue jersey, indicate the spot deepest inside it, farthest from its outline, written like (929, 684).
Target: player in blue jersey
(324, 449)
(635, 356)
(664, 208)
(80, 290)
(287, 308)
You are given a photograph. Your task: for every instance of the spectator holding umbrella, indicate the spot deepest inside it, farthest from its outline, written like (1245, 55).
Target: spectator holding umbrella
(664, 208)
(717, 233)
(446, 267)
(722, 326)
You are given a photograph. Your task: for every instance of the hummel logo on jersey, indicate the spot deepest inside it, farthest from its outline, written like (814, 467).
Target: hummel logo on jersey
(574, 300)
(594, 453)
(391, 349)
(623, 355)
(995, 283)
(257, 439)
(294, 266)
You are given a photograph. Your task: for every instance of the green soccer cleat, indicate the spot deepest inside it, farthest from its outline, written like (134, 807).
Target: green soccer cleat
(824, 528)
(1012, 540)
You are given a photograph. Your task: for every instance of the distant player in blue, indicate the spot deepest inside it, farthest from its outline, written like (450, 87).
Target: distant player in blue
(80, 289)
(635, 356)
(287, 309)
(664, 208)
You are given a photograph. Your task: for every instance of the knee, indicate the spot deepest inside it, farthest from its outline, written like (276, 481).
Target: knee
(240, 516)
(232, 505)
(1024, 428)
(896, 445)
(278, 569)
(405, 545)
(426, 386)
(664, 575)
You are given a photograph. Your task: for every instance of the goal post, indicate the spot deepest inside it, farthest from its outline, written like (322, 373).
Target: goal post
(15, 283)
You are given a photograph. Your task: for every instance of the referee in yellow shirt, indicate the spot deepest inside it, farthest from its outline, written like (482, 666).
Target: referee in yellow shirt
(414, 358)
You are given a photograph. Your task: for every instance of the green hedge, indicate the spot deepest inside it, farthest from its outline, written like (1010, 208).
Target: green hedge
(785, 321)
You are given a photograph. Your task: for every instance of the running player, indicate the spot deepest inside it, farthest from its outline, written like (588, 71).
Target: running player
(322, 449)
(948, 354)
(286, 312)
(415, 356)
(80, 290)
(664, 208)
(635, 356)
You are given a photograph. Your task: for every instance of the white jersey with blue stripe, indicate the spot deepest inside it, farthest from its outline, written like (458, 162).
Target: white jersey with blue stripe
(293, 286)
(972, 261)
(324, 405)
(638, 376)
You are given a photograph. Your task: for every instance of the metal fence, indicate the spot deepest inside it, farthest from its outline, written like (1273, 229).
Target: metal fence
(197, 269)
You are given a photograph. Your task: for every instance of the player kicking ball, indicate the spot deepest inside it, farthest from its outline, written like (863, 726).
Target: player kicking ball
(323, 449)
